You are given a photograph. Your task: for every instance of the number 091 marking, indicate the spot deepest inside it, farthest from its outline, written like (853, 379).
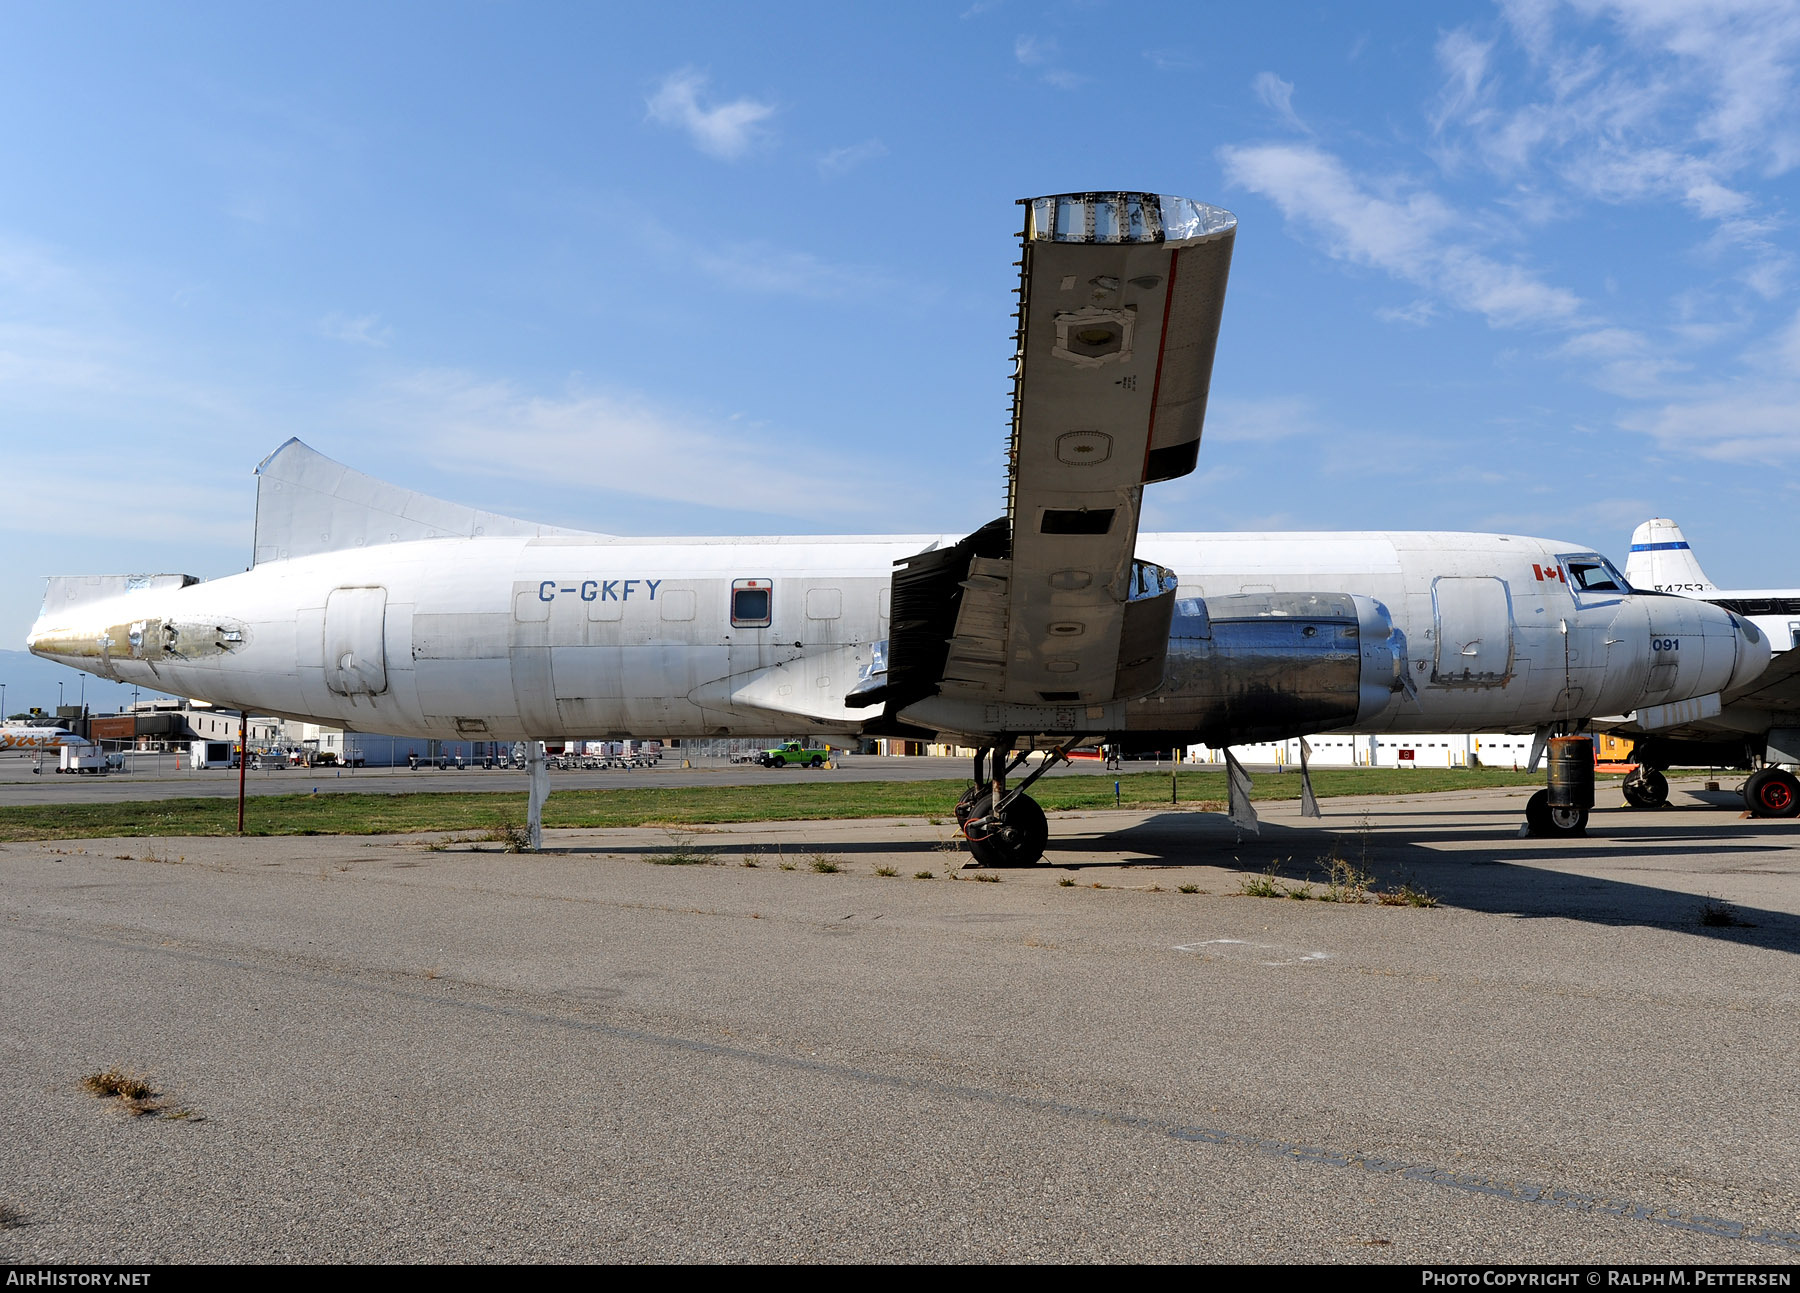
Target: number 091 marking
(1665, 644)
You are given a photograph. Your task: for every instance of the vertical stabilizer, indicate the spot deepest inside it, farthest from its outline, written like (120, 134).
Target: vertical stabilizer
(1662, 562)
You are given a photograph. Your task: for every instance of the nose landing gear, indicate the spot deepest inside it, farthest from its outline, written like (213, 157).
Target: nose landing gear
(1561, 810)
(1645, 788)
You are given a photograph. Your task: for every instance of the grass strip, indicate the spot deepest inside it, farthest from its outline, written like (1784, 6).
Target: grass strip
(797, 797)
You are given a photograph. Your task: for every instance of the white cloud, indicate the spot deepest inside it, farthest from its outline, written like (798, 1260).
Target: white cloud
(848, 158)
(1464, 61)
(1278, 96)
(617, 442)
(1750, 422)
(1418, 313)
(1405, 231)
(357, 330)
(1694, 99)
(1171, 60)
(1278, 417)
(725, 130)
(763, 267)
(1040, 52)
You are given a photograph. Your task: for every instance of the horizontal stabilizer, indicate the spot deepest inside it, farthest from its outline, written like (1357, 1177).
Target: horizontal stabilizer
(307, 503)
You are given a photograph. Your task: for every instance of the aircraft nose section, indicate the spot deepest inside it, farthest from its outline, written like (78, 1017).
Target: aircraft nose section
(1698, 649)
(1754, 650)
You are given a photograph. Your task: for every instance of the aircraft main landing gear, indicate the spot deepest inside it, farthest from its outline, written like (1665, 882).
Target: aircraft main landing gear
(1772, 792)
(1646, 788)
(1004, 827)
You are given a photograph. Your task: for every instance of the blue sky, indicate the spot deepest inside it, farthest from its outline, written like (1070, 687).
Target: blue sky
(733, 269)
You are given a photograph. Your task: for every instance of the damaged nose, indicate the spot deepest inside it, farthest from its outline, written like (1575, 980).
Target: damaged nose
(1754, 651)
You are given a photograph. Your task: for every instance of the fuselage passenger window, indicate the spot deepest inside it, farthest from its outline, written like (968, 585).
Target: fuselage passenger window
(751, 604)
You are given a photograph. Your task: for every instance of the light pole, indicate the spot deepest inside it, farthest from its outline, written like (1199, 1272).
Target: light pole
(2, 702)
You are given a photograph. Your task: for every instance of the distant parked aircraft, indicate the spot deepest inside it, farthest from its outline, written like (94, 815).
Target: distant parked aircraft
(20, 736)
(1753, 725)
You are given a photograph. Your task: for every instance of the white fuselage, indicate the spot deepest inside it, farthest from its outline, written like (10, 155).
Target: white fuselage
(576, 636)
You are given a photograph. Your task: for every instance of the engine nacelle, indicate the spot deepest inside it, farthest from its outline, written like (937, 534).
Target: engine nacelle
(1267, 666)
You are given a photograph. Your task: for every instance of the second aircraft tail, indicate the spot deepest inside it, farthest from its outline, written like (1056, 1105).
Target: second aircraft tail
(1661, 560)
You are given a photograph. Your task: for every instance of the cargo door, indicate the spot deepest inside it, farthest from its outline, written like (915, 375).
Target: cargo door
(355, 641)
(1473, 624)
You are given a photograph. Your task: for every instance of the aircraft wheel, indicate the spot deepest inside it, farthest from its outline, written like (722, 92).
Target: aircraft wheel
(1546, 822)
(965, 806)
(1646, 788)
(1019, 843)
(1773, 792)
(816, 762)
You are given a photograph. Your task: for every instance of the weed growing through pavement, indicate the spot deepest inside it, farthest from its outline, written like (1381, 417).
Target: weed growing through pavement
(510, 836)
(786, 866)
(681, 852)
(923, 875)
(134, 1093)
(824, 864)
(1262, 886)
(116, 1081)
(1407, 895)
(749, 862)
(987, 877)
(1345, 881)
(1187, 888)
(886, 870)
(1066, 882)
(1716, 913)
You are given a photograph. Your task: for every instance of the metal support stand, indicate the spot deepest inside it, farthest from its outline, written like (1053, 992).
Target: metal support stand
(1309, 804)
(539, 771)
(1539, 743)
(1238, 783)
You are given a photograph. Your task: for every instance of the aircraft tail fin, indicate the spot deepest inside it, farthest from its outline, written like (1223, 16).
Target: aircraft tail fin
(1661, 560)
(307, 503)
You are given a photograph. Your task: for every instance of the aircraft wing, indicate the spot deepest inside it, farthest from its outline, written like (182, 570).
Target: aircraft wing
(1776, 689)
(1119, 303)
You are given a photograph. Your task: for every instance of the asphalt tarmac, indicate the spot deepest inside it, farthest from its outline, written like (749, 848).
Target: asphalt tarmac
(382, 1050)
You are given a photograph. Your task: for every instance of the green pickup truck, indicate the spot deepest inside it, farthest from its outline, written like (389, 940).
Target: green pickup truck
(791, 753)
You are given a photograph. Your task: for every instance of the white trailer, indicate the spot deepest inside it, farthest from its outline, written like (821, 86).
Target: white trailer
(83, 756)
(211, 754)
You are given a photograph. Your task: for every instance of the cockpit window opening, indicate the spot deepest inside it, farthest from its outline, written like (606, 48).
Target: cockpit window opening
(1589, 572)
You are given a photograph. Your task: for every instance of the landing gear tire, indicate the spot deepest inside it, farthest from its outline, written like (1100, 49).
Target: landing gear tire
(1546, 822)
(1772, 792)
(1646, 788)
(1018, 841)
